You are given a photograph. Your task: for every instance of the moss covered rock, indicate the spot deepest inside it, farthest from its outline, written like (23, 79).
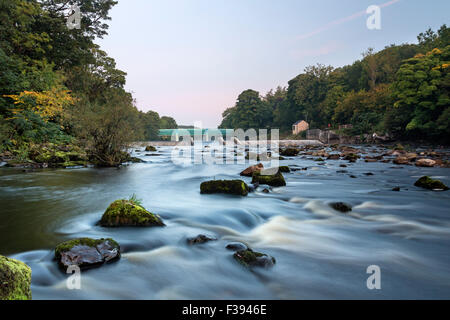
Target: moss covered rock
(129, 213)
(250, 258)
(236, 187)
(289, 152)
(86, 252)
(284, 169)
(275, 180)
(431, 184)
(15, 280)
(150, 148)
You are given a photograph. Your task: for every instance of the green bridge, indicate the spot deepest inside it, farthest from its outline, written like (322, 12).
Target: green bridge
(192, 132)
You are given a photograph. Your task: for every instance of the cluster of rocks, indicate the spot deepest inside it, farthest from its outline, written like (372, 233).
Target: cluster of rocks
(88, 253)
(272, 177)
(396, 154)
(47, 155)
(242, 253)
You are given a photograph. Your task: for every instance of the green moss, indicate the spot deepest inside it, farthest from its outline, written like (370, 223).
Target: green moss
(428, 183)
(127, 213)
(236, 187)
(15, 280)
(58, 155)
(285, 169)
(68, 245)
(276, 180)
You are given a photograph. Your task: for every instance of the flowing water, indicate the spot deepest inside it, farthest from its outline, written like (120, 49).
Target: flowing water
(320, 253)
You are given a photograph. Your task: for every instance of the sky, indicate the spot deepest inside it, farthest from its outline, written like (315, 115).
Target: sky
(190, 59)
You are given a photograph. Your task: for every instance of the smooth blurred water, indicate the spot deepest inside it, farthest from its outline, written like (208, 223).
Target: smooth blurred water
(320, 253)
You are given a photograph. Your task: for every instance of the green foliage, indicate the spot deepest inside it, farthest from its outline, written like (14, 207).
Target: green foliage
(134, 199)
(56, 83)
(422, 90)
(401, 90)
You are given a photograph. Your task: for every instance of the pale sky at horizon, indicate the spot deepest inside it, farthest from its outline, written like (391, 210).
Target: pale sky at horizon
(190, 59)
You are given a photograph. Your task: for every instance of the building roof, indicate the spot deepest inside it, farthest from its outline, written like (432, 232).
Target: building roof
(299, 122)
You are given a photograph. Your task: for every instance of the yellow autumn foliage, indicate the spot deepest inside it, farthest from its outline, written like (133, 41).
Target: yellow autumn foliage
(48, 104)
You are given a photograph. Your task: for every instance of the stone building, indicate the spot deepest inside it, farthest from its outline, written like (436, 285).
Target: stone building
(300, 126)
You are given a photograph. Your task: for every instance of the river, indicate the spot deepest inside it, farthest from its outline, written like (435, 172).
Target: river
(320, 253)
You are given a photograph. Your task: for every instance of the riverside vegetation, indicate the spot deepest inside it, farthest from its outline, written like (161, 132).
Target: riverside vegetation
(62, 99)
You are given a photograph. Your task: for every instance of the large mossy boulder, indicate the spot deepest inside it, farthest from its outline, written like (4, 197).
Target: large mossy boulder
(86, 252)
(15, 280)
(128, 213)
(274, 180)
(431, 184)
(235, 187)
(250, 258)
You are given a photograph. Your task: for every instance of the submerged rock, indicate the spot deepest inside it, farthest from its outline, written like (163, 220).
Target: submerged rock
(250, 170)
(86, 252)
(396, 189)
(289, 152)
(201, 238)
(250, 258)
(275, 180)
(150, 148)
(15, 280)
(341, 206)
(236, 187)
(431, 184)
(128, 213)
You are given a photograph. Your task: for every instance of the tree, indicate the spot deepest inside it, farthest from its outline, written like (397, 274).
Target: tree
(106, 126)
(422, 90)
(167, 123)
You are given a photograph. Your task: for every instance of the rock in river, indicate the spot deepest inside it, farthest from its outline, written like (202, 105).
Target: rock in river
(86, 252)
(425, 163)
(15, 280)
(128, 213)
(275, 180)
(401, 160)
(341, 206)
(150, 148)
(289, 152)
(236, 187)
(201, 238)
(250, 170)
(236, 246)
(431, 184)
(250, 258)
